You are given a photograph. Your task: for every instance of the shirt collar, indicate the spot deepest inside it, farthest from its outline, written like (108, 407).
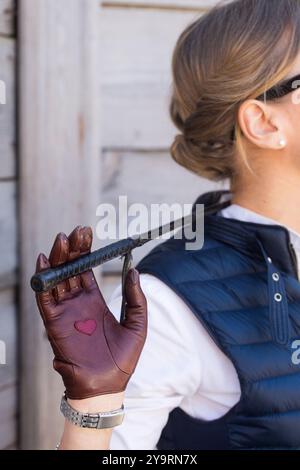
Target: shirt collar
(235, 211)
(245, 236)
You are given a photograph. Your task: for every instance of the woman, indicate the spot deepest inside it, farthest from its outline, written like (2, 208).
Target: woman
(218, 369)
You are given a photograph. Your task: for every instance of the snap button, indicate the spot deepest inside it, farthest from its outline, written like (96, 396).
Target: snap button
(270, 260)
(278, 297)
(275, 277)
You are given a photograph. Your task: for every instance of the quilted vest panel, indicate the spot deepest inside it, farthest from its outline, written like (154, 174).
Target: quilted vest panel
(243, 288)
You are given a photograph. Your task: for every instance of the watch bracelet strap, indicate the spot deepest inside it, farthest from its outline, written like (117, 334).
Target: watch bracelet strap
(102, 420)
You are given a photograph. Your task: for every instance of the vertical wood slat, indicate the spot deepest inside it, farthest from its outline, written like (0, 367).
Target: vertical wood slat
(7, 17)
(8, 371)
(59, 173)
(8, 234)
(8, 335)
(7, 110)
(8, 410)
(8, 229)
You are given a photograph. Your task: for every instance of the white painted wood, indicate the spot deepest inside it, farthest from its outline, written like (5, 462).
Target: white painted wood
(7, 110)
(148, 178)
(8, 422)
(197, 4)
(8, 336)
(7, 17)
(8, 371)
(133, 174)
(135, 76)
(59, 171)
(8, 229)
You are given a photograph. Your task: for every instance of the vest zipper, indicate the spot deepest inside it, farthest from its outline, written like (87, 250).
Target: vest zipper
(294, 258)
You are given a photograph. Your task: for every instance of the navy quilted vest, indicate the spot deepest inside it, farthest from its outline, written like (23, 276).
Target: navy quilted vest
(243, 287)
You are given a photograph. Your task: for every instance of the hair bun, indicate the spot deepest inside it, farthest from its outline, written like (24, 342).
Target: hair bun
(195, 157)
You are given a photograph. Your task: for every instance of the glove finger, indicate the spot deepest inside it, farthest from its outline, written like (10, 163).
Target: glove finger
(75, 240)
(59, 255)
(87, 279)
(45, 300)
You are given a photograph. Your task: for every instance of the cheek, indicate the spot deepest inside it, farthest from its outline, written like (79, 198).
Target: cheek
(292, 131)
(293, 117)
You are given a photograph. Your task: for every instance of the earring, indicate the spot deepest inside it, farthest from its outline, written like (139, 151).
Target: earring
(282, 143)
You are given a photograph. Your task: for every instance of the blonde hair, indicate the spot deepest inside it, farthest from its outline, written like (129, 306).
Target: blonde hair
(235, 52)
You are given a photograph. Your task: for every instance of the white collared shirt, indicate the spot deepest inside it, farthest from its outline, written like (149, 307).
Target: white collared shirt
(180, 364)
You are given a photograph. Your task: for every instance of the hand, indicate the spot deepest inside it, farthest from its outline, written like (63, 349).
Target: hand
(94, 353)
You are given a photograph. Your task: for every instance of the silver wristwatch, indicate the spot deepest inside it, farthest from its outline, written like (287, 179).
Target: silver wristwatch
(103, 420)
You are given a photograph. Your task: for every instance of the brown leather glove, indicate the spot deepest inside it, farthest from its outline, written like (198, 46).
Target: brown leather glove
(94, 353)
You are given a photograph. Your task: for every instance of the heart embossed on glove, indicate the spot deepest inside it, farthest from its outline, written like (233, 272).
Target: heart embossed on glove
(93, 352)
(86, 327)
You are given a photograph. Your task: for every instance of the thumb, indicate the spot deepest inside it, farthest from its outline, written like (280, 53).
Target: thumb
(136, 304)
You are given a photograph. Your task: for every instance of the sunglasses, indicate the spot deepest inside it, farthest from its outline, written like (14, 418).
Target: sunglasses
(277, 91)
(280, 90)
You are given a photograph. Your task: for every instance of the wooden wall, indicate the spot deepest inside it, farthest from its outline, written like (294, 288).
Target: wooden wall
(60, 175)
(138, 38)
(60, 129)
(8, 229)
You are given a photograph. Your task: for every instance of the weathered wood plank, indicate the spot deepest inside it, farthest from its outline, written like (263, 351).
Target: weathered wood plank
(59, 143)
(8, 422)
(132, 174)
(7, 111)
(7, 17)
(135, 76)
(8, 229)
(196, 4)
(8, 371)
(8, 336)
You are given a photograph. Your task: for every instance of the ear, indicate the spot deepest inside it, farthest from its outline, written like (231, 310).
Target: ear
(260, 124)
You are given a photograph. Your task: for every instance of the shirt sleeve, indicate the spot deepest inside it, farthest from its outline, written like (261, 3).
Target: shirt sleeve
(168, 370)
